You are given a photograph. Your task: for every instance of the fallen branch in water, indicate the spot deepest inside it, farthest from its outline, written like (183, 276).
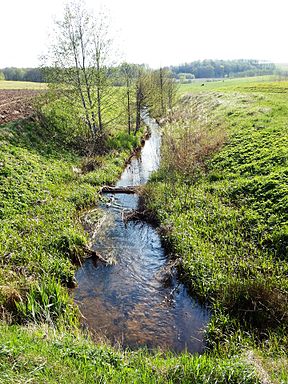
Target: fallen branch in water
(134, 215)
(128, 189)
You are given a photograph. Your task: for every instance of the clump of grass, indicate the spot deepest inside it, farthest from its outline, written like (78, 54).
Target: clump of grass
(91, 163)
(187, 152)
(189, 139)
(257, 303)
(124, 140)
(46, 302)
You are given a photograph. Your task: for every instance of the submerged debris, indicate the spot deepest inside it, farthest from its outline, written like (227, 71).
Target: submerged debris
(91, 253)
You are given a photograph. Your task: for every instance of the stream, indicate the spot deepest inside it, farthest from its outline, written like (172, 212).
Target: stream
(133, 302)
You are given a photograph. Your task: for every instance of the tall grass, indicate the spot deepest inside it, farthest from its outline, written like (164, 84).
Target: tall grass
(188, 140)
(46, 302)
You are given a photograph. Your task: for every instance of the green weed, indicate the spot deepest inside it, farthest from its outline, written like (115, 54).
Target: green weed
(46, 302)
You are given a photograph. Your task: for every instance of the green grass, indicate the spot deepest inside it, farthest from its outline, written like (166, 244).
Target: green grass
(222, 84)
(4, 84)
(40, 355)
(245, 186)
(225, 211)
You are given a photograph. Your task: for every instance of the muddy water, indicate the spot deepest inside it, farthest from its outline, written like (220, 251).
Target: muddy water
(135, 302)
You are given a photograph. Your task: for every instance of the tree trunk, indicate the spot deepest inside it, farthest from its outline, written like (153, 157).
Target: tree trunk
(128, 107)
(98, 91)
(162, 91)
(128, 189)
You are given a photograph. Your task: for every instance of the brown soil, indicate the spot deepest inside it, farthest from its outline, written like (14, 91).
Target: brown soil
(16, 104)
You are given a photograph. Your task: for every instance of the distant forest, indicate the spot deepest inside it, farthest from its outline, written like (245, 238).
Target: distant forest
(221, 69)
(183, 73)
(22, 74)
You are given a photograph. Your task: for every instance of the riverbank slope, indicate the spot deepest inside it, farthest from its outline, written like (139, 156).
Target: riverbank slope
(221, 199)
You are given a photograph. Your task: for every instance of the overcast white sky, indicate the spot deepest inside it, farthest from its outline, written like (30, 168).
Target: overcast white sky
(157, 32)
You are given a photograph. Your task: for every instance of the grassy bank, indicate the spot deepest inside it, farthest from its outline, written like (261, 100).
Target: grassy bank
(44, 184)
(41, 355)
(221, 198)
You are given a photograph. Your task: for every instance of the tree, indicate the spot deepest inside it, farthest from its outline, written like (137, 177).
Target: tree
(23, 74)
(168, 90)
(79, 58)
(128, 73)
(222, 68)
(171, 89)
(13, 73)
(159, 90)
(141, 91)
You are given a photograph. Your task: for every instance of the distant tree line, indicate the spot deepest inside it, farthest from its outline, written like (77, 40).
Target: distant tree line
(184, 72)
(221, 69)
(22, 74)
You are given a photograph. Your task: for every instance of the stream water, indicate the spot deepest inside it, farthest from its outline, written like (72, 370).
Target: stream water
(133, 302)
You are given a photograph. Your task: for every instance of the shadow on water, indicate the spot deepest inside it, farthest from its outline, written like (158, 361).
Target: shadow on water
(133, 302)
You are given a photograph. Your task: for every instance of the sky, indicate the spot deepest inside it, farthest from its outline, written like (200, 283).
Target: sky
(156, 32)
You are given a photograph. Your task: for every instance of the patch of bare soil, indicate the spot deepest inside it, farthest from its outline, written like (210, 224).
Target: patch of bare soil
(16, 104)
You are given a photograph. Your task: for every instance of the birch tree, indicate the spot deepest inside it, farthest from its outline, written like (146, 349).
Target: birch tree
(80, 64)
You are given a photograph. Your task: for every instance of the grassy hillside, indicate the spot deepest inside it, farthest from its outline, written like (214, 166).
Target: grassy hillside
(201, 85)
(221, 197)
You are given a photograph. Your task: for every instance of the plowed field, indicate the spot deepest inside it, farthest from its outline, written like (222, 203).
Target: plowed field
(16, 104)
